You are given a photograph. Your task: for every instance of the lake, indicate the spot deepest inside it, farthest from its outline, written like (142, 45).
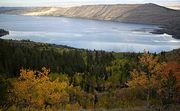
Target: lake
(87, 34)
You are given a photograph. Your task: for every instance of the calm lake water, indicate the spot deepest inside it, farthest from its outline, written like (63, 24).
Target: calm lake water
(87, 34)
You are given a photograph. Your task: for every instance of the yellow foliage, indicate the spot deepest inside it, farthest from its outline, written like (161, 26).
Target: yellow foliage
(27, 74)
(151, 64)
(139, 79)
(35, 89)
(149, 74)
(72, 107)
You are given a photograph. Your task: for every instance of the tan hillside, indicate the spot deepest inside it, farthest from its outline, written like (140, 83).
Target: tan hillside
(134, 13)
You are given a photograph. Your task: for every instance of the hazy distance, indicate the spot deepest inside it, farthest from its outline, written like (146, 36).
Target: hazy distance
(68, 3)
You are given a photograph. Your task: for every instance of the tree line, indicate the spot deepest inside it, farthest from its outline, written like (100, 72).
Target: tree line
(38, 76)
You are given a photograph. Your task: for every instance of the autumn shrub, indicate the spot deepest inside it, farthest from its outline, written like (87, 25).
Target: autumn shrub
(35, 90)
(156, 78)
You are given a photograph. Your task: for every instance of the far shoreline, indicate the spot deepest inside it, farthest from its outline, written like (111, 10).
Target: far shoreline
(164, 29)
(3, 32)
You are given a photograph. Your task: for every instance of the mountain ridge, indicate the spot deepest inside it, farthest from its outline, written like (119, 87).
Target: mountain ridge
(149, 13)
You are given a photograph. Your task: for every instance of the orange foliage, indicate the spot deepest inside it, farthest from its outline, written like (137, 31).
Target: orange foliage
(147, 75)
(139, 79)
(151, 64)
(172, 66)
(157, 76)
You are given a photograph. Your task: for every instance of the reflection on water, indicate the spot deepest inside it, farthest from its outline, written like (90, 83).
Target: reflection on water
(88, 34)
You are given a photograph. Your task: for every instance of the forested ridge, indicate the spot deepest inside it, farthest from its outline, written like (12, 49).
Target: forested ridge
(31, 55)
(40, 76)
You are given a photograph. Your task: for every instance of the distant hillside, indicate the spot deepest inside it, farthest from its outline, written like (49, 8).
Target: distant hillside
(14, 10)
(137, 13)
(134, 13)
